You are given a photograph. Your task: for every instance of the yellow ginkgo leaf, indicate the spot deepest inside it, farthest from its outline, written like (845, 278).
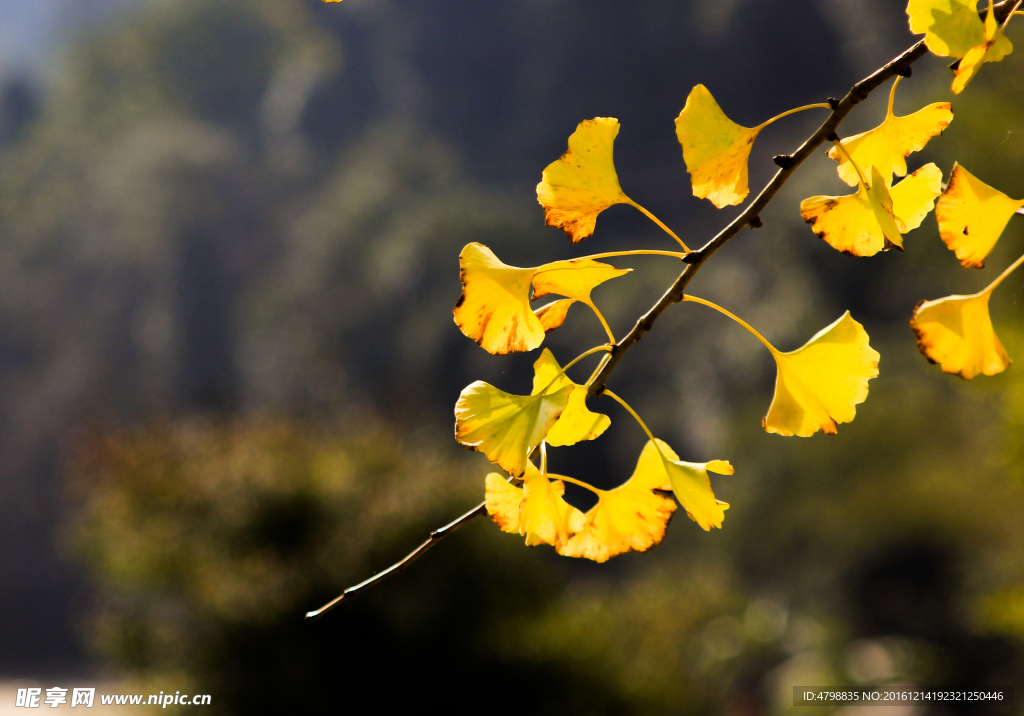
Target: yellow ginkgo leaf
(859, 224)
(993, 48)
(544, 517)
(972, 216)
(914, 197)
(821, 383)
(951, 27)
(503, 500)
(552, 315)
(582, 183)
(692, 487)
(576, 422)
(574, 278)
(632, 517)
(494, 309)
(888, 145)
(715, 149)
(956, 332)
(506, 427)
(536, 510)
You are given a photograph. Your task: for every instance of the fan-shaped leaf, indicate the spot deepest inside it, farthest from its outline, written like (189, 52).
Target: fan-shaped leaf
(888, 145)
(821, 383)
(632, 517)
(972, 216)
(859, 224)
(582, 183)
(715, 149)
(506, 427)
(956, 332)
(494, 309)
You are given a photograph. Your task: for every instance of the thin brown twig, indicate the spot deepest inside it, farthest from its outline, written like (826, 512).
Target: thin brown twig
(399, 567)
(750, 217)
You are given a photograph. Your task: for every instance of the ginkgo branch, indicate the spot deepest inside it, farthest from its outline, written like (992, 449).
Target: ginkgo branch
(751, 215)
(695, 259)
(399, 567)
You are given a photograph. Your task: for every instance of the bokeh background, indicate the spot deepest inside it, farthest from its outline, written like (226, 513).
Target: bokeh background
(228, 256)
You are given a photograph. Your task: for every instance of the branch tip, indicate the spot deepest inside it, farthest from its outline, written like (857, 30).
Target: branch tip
(755, 222)
(832, 102)
(905, 71)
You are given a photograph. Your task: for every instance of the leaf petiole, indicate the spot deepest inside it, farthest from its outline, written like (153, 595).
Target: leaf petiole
(574, 361)
(820, 105)
(582, 484)
(846, 155)
(999, 279)
(658, 221)
(600, 317)
(734, 317)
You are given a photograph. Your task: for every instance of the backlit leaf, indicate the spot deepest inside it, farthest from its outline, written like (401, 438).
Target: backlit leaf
(536, 510)
(632, 517)
(951, 27)
(582, 183)
(993, 48)
(574, 278)
(503, 499)
(956, 332)
(576, 422)
(888, 145)
(544, 517)
(859, 224)
(972, 216)
(821, 383)
(552, 315)
(494, 309)
(506, 427)
(715, 149)
(915, 196)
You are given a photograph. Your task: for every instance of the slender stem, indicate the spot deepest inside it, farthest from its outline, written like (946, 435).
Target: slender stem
(600, 317)
(399, 567)
(1012, 13)
(600, 366)
(820, 105)
(581, 356)
(657, 221)
(892, 94)
(641, 252)
(846, 155)
(574, 481)
(543, 457)
(632, 412)
(734, 317)
(999, 279)
(574, 361)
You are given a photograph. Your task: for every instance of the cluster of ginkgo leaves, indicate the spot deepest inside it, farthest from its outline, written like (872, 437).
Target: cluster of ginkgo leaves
(817, 386)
